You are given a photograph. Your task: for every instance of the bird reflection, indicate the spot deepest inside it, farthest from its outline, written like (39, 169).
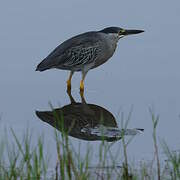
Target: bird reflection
(85, 121)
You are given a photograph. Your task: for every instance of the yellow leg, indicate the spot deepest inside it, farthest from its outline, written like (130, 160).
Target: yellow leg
(69, 81)
(70, 96)
(82, 85)
(82, 82)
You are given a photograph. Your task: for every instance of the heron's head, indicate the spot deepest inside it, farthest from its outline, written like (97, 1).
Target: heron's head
(118, 32)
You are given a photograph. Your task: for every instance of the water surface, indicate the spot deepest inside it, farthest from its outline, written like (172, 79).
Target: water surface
(143, 73)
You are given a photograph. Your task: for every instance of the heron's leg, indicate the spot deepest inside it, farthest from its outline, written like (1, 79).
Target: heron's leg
(71, 97)
(82, 98)
(69, 81)
(82, 82)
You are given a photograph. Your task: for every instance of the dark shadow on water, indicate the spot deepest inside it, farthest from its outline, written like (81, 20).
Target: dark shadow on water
(85, 121)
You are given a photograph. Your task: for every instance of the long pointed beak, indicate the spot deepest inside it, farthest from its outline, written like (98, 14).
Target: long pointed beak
(131, 31)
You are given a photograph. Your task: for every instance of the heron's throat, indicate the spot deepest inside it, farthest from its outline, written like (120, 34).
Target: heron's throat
(120, 36)
(114, 46)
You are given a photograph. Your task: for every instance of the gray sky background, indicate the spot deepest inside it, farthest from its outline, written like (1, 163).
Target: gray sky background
(145, 70)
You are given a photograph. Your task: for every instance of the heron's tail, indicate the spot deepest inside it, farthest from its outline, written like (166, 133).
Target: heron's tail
(42, 66)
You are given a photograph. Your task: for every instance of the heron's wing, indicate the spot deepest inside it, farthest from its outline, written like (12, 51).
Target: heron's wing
(81, 55)
(77, 51)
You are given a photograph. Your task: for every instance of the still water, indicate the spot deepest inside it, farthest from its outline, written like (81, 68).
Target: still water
(27, 105)
(144, 71)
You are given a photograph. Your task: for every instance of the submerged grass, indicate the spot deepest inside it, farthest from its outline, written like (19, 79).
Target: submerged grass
(22, 160)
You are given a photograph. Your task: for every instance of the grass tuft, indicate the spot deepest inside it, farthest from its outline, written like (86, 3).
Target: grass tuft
(22, 160)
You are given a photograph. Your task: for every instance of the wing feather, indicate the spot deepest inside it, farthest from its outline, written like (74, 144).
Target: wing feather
(81, 55)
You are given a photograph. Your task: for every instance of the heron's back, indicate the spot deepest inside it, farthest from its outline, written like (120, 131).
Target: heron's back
(58, 58)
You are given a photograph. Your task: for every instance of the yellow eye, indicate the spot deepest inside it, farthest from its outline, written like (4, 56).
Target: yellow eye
(121, 31)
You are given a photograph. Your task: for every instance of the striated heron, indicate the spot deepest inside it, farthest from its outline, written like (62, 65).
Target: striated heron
(85, 51)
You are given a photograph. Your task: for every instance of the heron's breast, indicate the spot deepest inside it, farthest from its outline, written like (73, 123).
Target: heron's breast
(105, 54)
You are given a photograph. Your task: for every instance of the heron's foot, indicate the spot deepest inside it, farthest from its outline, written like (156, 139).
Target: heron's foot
(68, 85)
(81, 93)
(82, 97)
(68, 90)
(82, 86)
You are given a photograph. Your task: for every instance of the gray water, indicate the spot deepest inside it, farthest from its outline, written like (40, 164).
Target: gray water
(144, 72)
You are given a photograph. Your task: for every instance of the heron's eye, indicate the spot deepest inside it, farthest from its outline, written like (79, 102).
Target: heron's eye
(122, 31)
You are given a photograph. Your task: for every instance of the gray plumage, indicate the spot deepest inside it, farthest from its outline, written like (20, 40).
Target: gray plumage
(78, 52)
(94, 48)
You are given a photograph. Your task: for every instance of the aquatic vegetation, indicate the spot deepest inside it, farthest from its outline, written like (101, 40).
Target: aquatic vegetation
(24, 160)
